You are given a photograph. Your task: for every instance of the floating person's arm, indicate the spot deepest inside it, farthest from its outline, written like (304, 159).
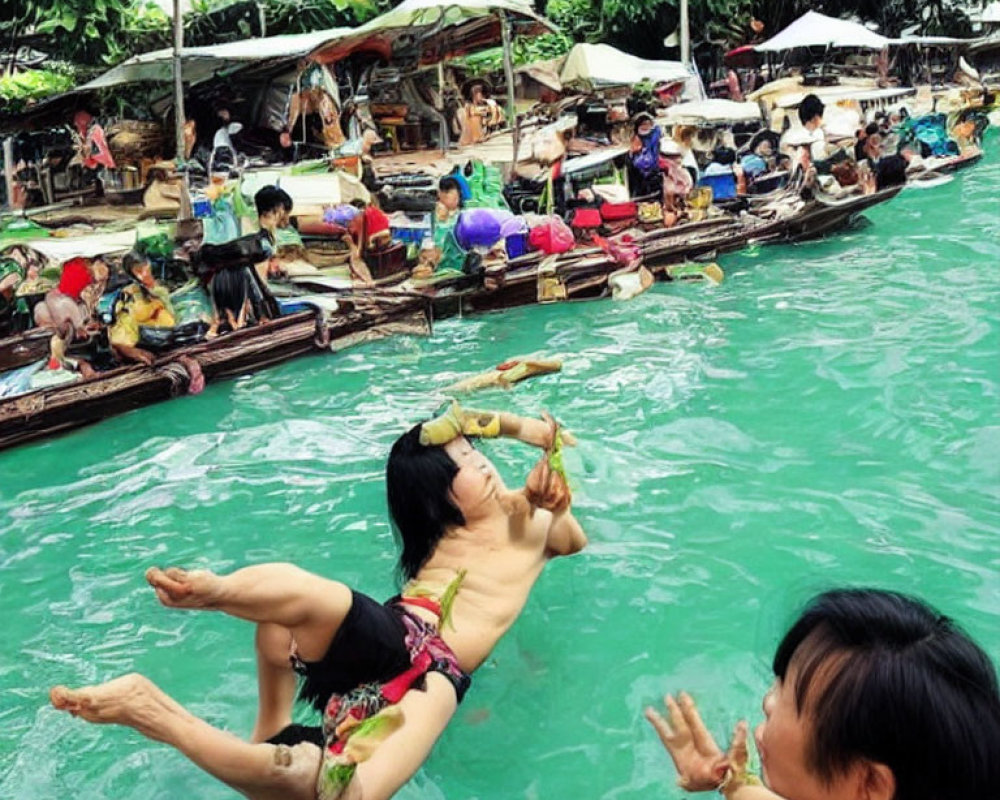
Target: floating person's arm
(537, 432)
(565, 536)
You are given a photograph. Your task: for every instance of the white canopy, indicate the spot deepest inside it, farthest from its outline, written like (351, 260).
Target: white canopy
(61, 249)
(818, 30)
(990, 13)
(709, 111)
(201, 63)
(596, 65)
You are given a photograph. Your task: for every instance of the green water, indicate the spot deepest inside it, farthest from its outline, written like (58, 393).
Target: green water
(829, 415)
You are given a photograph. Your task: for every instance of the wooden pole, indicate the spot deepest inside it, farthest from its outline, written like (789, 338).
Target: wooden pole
(8, 169)
(178, 81)
(444, 116)
(508, 71)
(685, 35)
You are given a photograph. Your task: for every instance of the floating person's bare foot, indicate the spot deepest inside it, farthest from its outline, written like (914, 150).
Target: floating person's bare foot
(180, 588)
(131, 700)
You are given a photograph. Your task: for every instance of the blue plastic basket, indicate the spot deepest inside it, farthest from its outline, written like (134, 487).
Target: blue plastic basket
(517, 244)
(723, 186)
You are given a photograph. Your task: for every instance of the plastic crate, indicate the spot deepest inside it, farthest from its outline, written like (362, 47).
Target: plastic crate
(517, 244)
(410, 228)
(723, 186)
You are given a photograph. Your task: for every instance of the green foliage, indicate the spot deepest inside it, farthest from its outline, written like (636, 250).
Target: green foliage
(215, 21)
(92, 32)
(526, 50)
(18, 89)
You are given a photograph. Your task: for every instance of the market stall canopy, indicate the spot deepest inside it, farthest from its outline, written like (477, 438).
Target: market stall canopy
(60, 249)
(439, 29)
(596, 65)
(836, 94)
(818, 30)
(932, 41)
(744, 56)
(202, 63)
(708, 112)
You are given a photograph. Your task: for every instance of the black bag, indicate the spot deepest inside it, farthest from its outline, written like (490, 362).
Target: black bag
(160, 339)
(243, 252)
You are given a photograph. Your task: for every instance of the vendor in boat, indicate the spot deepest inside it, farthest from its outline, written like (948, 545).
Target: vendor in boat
(240, 296)
(142, 303)
(92, 146)
(645, 175)
(677, 181)
(480, 115)
(811, 117)
(67, 310)
(450, 199)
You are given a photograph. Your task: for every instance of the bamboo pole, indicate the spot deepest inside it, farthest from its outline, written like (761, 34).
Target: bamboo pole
(178, 81)
(8, 169)
(508, 71)
(685, 35)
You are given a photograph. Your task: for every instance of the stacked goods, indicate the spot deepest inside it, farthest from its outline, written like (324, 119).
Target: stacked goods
(130, 140)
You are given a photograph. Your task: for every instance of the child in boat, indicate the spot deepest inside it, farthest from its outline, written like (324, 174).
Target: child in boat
(876, 696)
(144, 302)
(387, 678)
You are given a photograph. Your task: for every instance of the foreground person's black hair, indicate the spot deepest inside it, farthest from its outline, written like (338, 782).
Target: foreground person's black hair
(884, 677)
(418, 485)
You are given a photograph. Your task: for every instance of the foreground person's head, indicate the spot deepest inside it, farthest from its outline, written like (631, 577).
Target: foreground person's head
(432, 488)
(879, 697)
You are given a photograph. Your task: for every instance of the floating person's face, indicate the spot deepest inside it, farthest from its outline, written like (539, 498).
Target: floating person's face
(474, 488)
(783, 744)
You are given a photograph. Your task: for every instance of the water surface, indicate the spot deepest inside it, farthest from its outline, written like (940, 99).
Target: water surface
(827, 416)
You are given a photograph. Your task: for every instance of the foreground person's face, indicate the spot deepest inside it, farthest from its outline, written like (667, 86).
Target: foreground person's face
(782, 741)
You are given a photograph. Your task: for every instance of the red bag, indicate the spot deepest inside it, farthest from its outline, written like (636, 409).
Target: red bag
(616, 211)
(586, 218)
(551, 236)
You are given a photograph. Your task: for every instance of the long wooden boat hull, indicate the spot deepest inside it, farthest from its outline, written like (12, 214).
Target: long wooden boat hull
(49, 411)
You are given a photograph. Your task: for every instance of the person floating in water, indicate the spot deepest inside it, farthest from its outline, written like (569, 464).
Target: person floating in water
(876, 696)
(387, 678)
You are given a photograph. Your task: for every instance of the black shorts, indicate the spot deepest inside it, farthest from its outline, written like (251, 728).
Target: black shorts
(369, 647)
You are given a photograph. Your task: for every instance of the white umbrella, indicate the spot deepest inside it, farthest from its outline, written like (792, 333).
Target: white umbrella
(818, 30)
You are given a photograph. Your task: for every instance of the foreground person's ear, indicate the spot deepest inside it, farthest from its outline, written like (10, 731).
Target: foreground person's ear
(877, 782)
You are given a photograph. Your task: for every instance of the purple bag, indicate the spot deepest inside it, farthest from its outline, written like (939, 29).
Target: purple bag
(340, 215)
(480, 227)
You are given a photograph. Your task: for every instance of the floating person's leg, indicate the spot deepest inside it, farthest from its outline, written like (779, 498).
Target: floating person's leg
(395, 760)
(259, 771)
(276, 681)
(310, 607)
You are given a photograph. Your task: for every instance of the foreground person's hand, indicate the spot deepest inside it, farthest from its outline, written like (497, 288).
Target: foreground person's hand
(701, 765)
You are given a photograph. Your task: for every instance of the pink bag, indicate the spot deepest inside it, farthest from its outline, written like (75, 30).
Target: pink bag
(551, 236)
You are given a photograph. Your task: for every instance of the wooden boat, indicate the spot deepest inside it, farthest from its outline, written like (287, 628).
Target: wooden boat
(582, 273)
(48, 411)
